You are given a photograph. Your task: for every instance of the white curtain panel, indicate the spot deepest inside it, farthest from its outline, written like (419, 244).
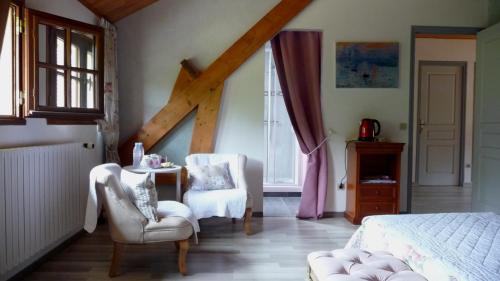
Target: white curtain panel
(4, 12)
(109, 127)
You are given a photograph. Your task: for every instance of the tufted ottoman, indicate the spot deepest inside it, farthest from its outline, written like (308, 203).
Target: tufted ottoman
(358, 265)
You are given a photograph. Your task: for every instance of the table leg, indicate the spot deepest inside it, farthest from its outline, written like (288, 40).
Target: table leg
(153, 178)
(178, 186)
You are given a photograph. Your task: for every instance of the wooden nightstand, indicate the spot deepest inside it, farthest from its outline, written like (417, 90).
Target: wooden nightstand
(373, 179)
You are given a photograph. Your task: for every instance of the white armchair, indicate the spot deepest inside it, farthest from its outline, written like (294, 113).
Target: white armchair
(127, 225)
(231, 203)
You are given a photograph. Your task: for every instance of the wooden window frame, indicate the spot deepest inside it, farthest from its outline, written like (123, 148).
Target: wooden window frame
(17, 117)
(52, 113)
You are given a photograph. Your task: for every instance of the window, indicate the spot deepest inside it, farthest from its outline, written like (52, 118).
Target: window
(65, 59)
(10, 63)
(282, 167)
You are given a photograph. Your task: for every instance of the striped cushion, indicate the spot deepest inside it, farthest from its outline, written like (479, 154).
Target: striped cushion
(142, 192)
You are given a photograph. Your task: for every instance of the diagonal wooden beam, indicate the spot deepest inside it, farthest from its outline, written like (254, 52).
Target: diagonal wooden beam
(189, 97)
(205, 125)
(193, 72)
(204, 130)
(183, 80)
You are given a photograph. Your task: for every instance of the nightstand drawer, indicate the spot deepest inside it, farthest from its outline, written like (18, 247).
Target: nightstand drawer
(377, 208)
(375, 193)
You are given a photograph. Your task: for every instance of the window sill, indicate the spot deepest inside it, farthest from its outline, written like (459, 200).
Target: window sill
(12, 121)
(68, 116)
(282, 188)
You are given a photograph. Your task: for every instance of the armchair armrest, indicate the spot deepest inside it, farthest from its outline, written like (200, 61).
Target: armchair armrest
(241, 178)
(184, 181)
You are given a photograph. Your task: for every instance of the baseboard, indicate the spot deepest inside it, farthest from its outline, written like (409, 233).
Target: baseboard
(325, 214)
(258, 214)
(38, 262)
(282, 194)
(333, 214)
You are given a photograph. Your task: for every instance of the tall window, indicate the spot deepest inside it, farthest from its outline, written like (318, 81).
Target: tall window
(282, 166)
(10, 69)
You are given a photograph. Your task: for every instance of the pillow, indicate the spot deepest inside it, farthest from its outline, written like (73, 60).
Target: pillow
(210, 177)
(142, 192)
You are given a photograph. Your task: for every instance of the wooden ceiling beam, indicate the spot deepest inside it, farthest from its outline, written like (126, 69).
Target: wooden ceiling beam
(185, 99)
(115, 10)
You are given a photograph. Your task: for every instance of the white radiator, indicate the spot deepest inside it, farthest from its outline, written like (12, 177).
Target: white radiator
(43, 193)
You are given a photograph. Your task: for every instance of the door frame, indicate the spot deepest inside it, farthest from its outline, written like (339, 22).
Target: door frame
(463, 66)
(415, 30)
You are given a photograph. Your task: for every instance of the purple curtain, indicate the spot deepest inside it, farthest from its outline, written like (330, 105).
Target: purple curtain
(297, 55)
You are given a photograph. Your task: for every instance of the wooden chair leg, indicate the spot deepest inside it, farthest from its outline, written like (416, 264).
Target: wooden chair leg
(183, 249)
(248, 221)
(118, 249)
(233, 220)
(176, 243)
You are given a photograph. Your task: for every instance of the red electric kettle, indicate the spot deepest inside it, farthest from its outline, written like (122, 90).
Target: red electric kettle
(368, 129)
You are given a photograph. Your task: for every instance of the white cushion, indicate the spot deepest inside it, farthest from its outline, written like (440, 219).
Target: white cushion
(210, 177)
(359, 265)
(142, 192)
(236, 162)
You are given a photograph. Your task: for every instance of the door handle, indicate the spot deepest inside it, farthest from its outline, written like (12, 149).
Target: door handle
(421, 126)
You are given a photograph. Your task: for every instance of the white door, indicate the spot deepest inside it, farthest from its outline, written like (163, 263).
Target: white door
(486, 147)
(439, 123)
(283, 157)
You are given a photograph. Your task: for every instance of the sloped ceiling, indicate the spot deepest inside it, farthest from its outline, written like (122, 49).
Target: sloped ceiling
(114, 10)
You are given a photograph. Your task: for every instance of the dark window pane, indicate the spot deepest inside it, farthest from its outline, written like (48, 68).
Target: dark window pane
(82, 50)
(51, 87)
(51, 44)
(83, 90)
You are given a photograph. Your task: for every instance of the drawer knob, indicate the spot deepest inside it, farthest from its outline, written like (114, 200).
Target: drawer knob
(377, 192)
(377, 208)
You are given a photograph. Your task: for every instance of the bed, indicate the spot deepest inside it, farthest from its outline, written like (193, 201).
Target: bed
(442, 247)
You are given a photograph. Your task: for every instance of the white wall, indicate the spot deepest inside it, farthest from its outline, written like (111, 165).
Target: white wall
(494, 12)
(71, 9)
(449, 50)
(153, 41)
(36, 131)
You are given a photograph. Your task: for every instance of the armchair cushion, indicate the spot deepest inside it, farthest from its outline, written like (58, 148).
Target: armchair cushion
(229, 203)
(167, 229)
(210, 177)
(141, 190)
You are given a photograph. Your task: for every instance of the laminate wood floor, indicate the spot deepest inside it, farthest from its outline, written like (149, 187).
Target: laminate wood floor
(276, 251)
(281, 206)
(441, 199)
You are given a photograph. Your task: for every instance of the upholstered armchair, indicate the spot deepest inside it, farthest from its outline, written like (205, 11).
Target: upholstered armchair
(127, 225)
(231, 203)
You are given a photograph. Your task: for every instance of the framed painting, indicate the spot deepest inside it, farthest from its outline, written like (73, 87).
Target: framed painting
(367, 64)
